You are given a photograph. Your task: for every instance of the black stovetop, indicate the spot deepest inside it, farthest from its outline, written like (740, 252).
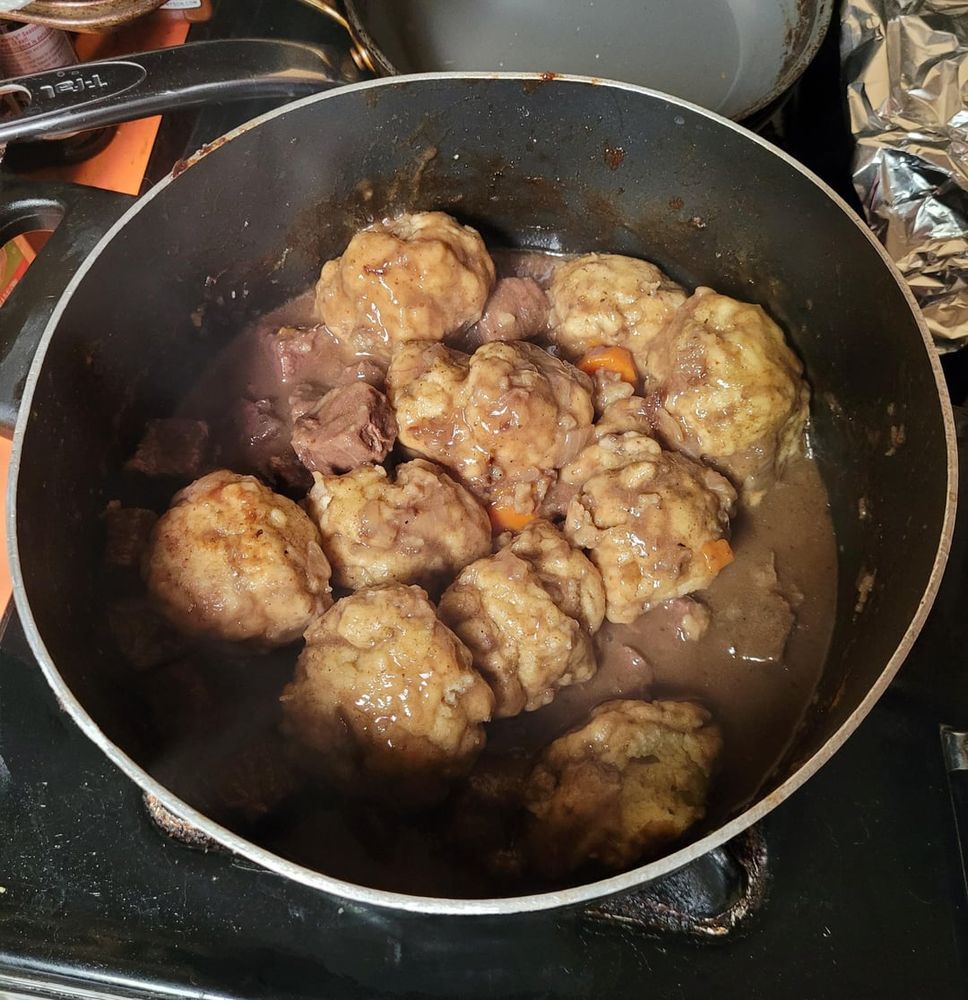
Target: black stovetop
(865, 896)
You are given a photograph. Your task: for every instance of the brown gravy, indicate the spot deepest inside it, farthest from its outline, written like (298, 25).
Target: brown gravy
(756, 667)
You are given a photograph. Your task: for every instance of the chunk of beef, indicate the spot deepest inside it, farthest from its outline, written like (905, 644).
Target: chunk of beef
(261, 444)
(256, 422)
(535, 264)
(241, 786)
(349, 426)
(296, 350)
(128, 529)
(488, 812)
(313, 355)
(172, 446)
(249, 782)
(288, 475)
(183, 705)
(363, 370)
(143, 637)
(304, 399)
(516, 310)
(758, 620)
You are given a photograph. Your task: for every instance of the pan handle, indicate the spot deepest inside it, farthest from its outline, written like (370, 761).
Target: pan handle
(359, 52)
(79, 216)
(954, 746)
(109, 91)
(72, 16)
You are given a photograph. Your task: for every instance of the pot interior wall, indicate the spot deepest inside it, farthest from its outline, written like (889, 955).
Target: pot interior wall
(557, 165)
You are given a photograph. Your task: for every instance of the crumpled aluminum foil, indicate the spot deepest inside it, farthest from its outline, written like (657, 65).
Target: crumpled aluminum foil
(906, 67)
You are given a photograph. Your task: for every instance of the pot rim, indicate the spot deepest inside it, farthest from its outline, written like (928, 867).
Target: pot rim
(576, 895)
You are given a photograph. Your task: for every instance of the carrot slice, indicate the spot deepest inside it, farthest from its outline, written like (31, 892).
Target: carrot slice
(718, 554)
(613, 359)
(505, 518)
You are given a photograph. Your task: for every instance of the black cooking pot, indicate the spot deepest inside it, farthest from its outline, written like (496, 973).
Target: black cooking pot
(562, 164)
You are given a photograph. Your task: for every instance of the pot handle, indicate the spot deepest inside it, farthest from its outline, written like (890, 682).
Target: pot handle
(359, 52)
(707, 898)
(79, 217)
(109, 91)
(69, 15)
(954, 746)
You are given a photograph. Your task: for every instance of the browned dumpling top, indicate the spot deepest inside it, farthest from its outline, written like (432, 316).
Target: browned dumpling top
(527, 614)
(608, 299)
(503, 419)
(419, 276)
(653, 522)
(622, 787)
(730, 391)
(384, 700)
(418, 526)
(231, 560)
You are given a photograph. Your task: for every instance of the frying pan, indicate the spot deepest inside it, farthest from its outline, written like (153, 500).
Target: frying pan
(530, 159)
(732, 56)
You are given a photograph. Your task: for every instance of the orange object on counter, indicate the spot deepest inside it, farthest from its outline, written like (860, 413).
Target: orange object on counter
(611, 359)
(15, 258)
(121, 165)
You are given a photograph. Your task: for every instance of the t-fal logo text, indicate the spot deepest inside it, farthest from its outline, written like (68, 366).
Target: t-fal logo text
(75, 86)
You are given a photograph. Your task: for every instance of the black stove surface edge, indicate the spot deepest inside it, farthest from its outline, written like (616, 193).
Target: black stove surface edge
(866, 897)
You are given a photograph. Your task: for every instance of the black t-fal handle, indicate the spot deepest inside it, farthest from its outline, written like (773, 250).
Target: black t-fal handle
(95, 94)
(79, 217)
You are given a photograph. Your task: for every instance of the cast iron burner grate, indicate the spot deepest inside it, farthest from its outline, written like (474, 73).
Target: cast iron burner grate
(708, 898)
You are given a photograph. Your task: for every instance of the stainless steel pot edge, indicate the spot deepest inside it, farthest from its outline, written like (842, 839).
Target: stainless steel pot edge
(367, 53)
(795, 69)
(513, 904)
